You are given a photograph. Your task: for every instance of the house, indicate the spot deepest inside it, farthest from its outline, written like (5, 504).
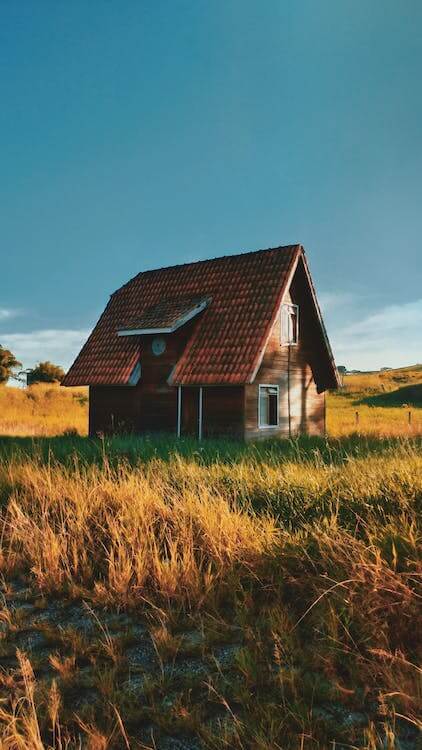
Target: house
(233, 346)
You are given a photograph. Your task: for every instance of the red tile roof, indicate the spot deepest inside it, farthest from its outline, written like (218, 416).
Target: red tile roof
(244, 292)
(167, 314)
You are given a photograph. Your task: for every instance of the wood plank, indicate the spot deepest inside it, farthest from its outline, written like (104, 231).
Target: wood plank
(301, 407)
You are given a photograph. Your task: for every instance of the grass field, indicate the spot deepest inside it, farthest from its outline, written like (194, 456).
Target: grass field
(378, 403)
(369, 403)
(43, 409)
(173, 595)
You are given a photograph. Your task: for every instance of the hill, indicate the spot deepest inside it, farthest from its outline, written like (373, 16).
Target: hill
(385, 402)
(385, 382)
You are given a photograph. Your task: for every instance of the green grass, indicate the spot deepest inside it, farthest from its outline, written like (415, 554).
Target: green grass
(65, 449)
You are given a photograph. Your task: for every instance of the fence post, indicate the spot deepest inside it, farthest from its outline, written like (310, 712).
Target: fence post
(409, 417)
(357, 418)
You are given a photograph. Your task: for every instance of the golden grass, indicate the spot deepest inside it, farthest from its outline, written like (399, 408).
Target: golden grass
(313, 554)
(382, 381)
(347, 411)
(319, 563)
(381, 421)
(43, 410)
(46, 409)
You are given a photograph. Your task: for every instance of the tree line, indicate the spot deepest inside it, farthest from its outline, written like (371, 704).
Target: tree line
(43, 372)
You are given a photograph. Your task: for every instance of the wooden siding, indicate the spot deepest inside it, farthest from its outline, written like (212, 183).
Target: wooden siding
(301, 407)
(151, 405)
(223, 411)
(112, 409)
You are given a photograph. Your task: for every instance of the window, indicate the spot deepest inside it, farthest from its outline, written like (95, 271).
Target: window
(158, 345)
(268, 406)
(289, 324)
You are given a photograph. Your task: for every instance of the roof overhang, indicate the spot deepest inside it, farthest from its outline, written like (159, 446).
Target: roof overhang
(181, 321)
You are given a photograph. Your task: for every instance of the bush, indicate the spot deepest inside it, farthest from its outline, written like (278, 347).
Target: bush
(45, 372)
(8, 363)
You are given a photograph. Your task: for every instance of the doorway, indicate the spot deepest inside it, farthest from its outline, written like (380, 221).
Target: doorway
(191, 412)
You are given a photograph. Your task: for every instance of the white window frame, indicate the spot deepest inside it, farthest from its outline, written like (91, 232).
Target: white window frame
(268, 426)
(290, 305)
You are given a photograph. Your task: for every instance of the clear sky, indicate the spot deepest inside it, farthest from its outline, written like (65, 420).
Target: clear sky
(144, 133)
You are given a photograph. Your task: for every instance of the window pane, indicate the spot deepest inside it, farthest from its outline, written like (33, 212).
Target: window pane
(289, 324)
(272, 408)
(284, 324)
(293, 322)
(263, 406)
(268, 406)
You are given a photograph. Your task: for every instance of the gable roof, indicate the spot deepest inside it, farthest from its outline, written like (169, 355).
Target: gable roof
(243, 294)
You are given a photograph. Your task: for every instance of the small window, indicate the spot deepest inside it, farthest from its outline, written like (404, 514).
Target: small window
(158, 345)
(268, 406)
(289, 324)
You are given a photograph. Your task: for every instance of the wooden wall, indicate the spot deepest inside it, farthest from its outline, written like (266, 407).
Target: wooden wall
(223, 411)
(150, 406)
(112, 409)
(289, 367)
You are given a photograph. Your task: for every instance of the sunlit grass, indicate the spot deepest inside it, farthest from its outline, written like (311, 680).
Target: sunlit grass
(313, 554)
(345, 415)
(47, 410)
(43, 409)
(309, 549)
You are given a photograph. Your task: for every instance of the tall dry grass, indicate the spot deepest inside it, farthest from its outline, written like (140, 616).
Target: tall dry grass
(42, 410)
(317, 562)
(178, 528)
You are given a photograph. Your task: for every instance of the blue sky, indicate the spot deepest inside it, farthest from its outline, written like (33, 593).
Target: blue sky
(138, 134)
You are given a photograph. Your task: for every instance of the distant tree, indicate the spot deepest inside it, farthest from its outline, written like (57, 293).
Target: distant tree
(8, 363)
(45, 372)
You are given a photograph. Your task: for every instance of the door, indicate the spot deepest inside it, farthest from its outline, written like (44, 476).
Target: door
(190, 411)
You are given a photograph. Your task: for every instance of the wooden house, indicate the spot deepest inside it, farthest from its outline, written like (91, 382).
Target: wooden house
(233, 346)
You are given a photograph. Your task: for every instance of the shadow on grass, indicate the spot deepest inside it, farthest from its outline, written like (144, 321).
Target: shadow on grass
(408, 395)
(68, 449)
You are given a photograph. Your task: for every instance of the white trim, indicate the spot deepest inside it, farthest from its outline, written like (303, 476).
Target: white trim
(282, 306)
(142, 331)
(268, 426)
(286, 289)
(135, 375)
(200, 414)
(179, 410)
(169, 329)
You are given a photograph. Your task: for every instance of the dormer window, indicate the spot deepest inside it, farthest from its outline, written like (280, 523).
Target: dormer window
(289, 324)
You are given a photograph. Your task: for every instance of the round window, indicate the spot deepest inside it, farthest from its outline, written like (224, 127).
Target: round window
(158, 346)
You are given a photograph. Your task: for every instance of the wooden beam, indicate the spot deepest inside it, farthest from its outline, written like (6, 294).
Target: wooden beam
(179, 410)
(200, 414)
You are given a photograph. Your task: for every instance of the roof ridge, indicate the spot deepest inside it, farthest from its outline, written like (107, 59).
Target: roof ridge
(296, 245)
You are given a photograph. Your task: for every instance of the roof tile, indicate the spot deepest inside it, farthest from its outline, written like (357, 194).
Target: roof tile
(243, 292)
